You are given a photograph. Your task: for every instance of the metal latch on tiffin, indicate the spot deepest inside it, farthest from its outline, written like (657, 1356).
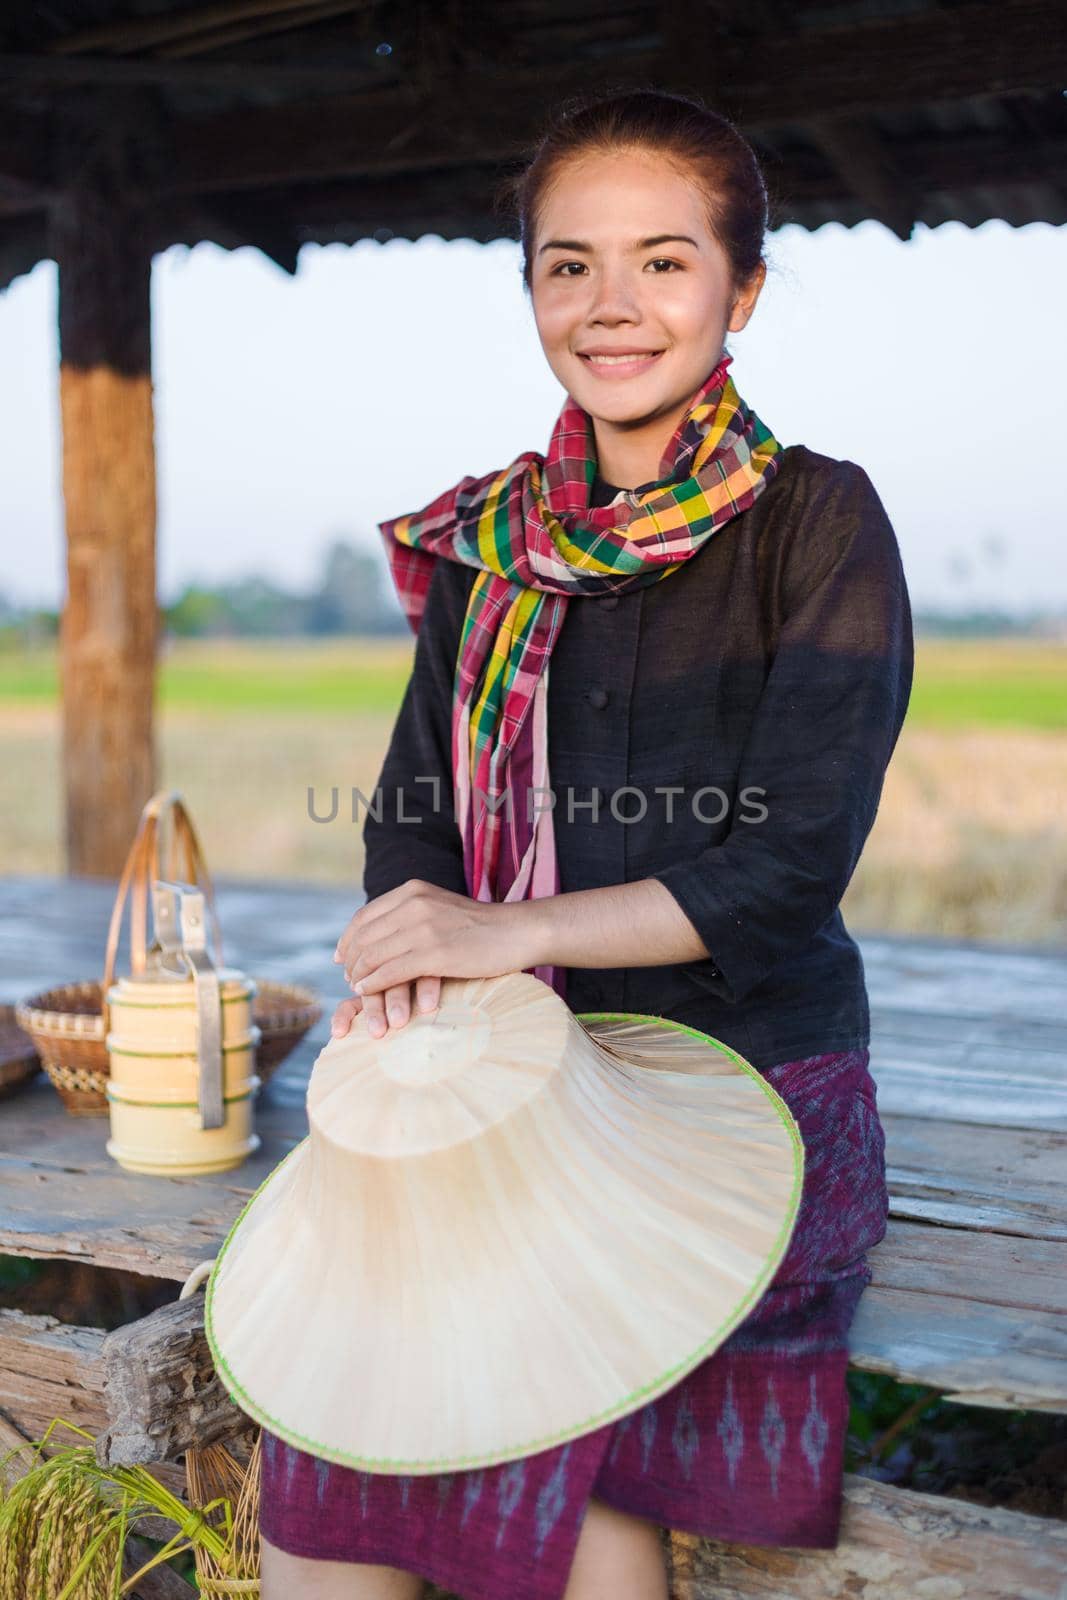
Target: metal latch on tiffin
(178, 909)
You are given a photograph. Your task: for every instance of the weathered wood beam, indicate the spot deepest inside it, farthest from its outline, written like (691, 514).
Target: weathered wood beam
(182, 23)
(109, 629)
(280, 21)
(162, 1394)
(895, 1544)
(115, 72)
(48, 1370)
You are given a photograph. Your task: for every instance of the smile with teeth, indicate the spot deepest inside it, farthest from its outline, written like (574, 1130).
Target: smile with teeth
(626, 361)
(629, 355)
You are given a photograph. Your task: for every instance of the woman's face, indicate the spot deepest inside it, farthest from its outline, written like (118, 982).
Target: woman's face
(625, 266)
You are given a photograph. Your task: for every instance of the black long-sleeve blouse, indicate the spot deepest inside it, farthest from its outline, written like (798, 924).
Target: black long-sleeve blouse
(727, 731)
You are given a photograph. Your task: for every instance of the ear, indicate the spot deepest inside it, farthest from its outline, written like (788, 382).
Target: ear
(745, 300)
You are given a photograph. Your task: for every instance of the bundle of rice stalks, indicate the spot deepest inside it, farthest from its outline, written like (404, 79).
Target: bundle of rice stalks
(64, 1525)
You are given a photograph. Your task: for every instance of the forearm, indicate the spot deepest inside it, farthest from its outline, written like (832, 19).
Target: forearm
(626, 925)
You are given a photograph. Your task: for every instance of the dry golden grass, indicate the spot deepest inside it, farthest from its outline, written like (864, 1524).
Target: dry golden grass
(970, 841)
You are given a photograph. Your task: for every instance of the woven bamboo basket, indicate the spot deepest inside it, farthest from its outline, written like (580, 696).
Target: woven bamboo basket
(69, 1024)
(283, 1013)
(19, 1060)
(214, 1472)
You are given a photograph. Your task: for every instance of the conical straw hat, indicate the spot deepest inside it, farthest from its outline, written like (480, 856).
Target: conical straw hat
(505, 1229)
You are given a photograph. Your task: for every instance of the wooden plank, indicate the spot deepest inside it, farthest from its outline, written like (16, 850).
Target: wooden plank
(966, 978)
(985, 1178)
(970, 1033)
(959, 1067)
(895, 1544)
(62, 1196)
(982, 1269)
(974, 1352)
(48, 1370)
(54, 929)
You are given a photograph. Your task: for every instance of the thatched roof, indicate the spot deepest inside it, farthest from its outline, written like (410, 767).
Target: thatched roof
(275, 122)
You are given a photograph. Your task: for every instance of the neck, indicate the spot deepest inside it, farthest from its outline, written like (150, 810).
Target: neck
(629, 454)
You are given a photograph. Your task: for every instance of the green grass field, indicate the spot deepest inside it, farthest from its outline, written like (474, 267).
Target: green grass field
(228, 675)
(970, 840)
(1006, 683)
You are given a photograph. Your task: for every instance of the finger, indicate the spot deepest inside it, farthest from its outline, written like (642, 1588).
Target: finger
(341, 948)
(368, 959)
(344, 1016)
(374, 1011)
(404, 968)
(398, 1005)
(383, 905)
(354, 934)
(427, 994)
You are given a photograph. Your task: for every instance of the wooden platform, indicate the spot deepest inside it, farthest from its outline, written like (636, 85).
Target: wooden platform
(969, 1295)
(969, 1051)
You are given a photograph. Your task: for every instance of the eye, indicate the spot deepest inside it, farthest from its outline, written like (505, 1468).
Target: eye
(558, 272)
(664, 261)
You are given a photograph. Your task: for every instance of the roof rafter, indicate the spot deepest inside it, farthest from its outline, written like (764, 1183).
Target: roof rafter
(130, 33)
(976, 49)
(851, 144)
(935, 56)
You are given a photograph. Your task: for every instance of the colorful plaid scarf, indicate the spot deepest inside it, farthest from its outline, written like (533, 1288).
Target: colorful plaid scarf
(537, 542)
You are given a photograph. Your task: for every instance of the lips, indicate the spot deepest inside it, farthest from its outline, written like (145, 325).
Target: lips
(620, 363)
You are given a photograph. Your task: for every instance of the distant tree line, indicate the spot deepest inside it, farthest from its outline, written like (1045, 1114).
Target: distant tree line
(349, 598)
(353, 595)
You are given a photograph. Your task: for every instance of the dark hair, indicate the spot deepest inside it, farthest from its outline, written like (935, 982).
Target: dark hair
(699, 141)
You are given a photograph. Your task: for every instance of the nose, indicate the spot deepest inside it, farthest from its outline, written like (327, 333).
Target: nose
(613, 299)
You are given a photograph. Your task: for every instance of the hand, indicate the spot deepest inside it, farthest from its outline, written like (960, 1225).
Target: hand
(421, 932)
(392, 1008)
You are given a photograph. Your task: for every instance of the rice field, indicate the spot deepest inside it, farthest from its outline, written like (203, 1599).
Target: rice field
(970, 840)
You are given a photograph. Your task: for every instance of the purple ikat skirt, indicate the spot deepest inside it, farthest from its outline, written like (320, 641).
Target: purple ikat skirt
(748, 1448)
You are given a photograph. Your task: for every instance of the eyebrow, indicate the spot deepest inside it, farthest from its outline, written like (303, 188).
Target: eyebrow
(642, 244)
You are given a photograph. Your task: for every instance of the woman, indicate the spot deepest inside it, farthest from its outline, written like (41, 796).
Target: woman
(722, 702)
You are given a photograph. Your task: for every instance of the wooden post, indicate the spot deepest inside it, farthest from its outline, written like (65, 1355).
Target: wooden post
(108, 635)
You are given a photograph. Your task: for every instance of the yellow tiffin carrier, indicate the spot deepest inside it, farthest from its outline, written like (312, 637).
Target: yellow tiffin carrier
(182, 1048)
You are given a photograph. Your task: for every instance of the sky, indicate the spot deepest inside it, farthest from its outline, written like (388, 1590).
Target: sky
(292, 411)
